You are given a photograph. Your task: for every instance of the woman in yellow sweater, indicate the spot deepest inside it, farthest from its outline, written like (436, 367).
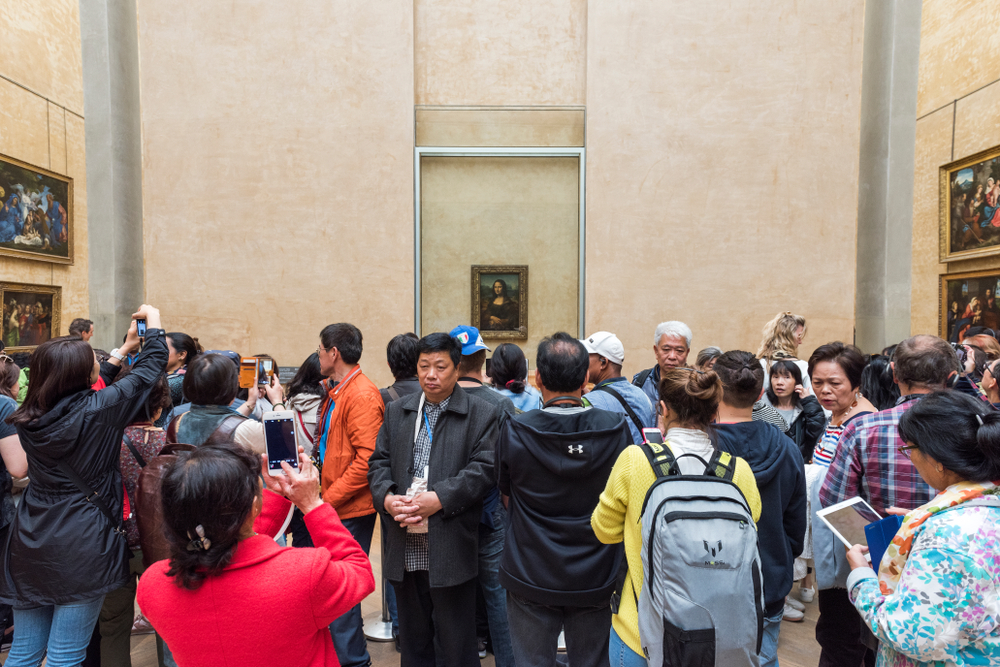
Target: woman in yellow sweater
(689, 400)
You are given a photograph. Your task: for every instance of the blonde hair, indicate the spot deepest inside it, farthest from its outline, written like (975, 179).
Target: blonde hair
(779, 336)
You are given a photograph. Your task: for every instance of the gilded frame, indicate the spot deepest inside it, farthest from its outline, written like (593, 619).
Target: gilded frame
(945, 226)
(519, 332)
(6, 288)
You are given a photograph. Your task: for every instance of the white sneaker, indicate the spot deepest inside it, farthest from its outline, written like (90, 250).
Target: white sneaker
(807, 594)
(794, 604)
(793, 615)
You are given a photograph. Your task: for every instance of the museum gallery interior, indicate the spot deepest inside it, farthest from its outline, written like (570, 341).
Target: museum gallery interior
(258, 170)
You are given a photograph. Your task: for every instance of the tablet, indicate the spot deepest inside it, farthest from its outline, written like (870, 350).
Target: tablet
(848, 519)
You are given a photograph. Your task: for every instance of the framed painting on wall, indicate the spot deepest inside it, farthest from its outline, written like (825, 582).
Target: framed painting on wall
(36, 212)
(969, 207)
(30, 315)
(500, 301)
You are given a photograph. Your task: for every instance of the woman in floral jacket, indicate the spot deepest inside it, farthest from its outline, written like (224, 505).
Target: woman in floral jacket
(935, 598)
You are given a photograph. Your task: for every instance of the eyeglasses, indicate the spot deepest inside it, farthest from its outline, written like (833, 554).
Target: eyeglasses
(905, 451)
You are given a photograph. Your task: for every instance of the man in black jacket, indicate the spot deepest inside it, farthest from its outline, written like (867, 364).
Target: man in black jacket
(443, 438)
(780, 475)
(552, 465)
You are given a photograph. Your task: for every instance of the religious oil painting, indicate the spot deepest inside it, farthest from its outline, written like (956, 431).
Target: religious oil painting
(500, 301)
(30, 315)
(970, 207)
(969, 300)
(36, 213)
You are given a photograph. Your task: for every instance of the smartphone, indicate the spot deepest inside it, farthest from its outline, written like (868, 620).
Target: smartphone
(140, 326)
(652, 435)
(265, 369)
(279, 439)
(248, 372)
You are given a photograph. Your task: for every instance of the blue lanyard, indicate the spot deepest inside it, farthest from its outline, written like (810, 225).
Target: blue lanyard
(326, 433)
(427, 423)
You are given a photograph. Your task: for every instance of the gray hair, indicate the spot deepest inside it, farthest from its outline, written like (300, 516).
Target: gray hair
(672, 328)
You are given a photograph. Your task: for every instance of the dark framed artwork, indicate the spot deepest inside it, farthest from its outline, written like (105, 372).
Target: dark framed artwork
(969, 300)
(969, 207)
(36, 212)
(500, 301)
(31, 315)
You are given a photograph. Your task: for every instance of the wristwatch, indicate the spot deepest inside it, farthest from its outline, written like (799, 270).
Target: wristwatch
(114, 353)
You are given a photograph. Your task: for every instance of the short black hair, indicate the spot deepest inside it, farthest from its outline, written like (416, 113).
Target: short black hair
(401, 353)
(346, 338)
(79, 326)
(742, 378)
(784, 367)
(877, 384)
(562, 362)
(211, 379)
(441, 342)
(958, 431)
(848, 357)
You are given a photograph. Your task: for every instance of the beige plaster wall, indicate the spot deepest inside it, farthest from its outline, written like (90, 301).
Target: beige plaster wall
(277, 172)
(500, 52)
(41, 122)
(487, 210)
(722, 163)
(958, 114)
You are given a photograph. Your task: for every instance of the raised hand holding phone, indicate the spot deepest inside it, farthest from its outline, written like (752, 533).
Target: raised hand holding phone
(280, 441)
(299, 484)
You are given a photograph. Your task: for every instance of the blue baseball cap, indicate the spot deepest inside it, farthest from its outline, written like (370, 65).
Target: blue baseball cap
(470, 338)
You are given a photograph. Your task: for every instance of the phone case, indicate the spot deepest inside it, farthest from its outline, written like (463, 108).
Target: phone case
(880, 534)
(248, 373)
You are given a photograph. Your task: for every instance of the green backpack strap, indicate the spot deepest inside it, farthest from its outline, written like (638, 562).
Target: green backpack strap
(722, 465)
(660, 458)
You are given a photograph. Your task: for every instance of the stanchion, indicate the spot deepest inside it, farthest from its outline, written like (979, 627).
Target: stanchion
(378, 627)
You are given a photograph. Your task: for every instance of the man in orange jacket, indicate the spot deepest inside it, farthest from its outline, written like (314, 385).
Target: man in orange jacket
(348, 424)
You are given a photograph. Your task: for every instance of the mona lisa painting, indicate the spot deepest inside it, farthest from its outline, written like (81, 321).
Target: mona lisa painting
(500, 301)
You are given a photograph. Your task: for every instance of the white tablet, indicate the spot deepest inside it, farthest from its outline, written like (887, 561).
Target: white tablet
(848, 519)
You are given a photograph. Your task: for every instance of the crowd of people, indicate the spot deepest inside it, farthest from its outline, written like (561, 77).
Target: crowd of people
(662, 519)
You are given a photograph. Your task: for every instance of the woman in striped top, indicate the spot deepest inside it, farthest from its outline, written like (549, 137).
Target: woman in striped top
(835, 370)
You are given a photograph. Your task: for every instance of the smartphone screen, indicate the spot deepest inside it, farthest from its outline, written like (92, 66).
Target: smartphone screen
(652, 435)
(140, 326)
(263, 371)
(279, 436)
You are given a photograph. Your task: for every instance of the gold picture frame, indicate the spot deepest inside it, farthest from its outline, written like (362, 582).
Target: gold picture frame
(43, 226)
(969, 207)
(30, 326)
(500, 301)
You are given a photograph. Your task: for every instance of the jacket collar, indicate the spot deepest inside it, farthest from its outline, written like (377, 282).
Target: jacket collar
(252, 551)
(459, 402)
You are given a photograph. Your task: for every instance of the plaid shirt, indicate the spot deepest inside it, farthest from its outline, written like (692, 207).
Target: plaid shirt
(417, 556)
(868, 464)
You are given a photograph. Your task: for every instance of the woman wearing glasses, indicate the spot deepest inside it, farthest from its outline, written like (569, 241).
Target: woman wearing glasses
(934, 598)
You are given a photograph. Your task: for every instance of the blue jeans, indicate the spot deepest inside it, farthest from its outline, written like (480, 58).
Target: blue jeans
(490, 549)
(348, 631)
(621, 655)
(769, 646)
(62, 630)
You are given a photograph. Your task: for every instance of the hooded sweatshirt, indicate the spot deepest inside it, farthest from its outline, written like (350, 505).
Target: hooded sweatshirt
(554, 463)
(777, 467)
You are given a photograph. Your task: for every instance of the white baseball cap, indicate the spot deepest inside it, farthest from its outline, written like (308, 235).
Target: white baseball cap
(607, 345)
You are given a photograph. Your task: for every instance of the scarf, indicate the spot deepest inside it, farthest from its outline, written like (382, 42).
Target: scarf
(198, 424)
(899, 549)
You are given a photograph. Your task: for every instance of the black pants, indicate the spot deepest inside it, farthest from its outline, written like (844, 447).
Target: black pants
(838, 632)
(534, 633)
(436, 625)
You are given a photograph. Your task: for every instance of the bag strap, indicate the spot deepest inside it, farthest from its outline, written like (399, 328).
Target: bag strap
(393, 393)
(223, 433)
(721, 465)
(172, 427)
(660, 458)
(135, 452)
(640, 379)
(89, 494)
(302, 425)
(621, 399)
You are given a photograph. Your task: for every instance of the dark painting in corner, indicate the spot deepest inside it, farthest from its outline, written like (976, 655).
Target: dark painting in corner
(31, 315)
(36, 213)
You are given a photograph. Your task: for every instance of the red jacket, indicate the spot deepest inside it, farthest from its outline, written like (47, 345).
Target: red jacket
(271, 605)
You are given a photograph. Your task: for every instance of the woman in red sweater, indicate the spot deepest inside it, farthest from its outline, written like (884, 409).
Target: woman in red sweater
(221, 573)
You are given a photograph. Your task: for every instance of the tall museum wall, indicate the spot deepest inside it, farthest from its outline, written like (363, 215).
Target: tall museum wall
(41, 123)
(958, 114)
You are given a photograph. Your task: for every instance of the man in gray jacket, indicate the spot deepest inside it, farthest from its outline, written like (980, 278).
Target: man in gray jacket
(443, 439)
